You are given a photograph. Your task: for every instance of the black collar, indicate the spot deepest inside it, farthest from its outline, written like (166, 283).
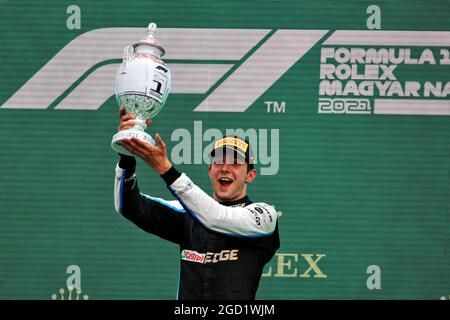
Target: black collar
(237, 203)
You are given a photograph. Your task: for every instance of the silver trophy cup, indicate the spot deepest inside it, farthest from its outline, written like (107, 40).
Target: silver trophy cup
(142, 86)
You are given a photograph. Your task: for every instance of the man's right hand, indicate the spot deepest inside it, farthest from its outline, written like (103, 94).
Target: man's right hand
(127, 120)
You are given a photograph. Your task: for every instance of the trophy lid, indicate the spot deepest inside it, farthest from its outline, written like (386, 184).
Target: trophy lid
(150, 40)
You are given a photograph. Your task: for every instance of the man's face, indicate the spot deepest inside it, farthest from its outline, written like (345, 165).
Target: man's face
(229, 178)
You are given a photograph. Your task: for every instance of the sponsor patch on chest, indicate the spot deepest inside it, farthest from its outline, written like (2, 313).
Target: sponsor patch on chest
(209, 257)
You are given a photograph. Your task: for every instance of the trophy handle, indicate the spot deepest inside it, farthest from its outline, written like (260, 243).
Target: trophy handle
(128, 53)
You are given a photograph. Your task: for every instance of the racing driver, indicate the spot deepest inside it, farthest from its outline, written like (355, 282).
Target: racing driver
(224, 240)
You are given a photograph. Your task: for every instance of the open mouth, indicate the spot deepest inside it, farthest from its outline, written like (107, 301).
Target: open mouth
(224, 182)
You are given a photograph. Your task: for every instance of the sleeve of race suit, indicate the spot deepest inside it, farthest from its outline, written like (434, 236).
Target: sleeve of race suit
(154, 215)
(256, 219)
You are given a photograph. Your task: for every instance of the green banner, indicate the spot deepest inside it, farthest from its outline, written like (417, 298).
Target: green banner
(346, 104)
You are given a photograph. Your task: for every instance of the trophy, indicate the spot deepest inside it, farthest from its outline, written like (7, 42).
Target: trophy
(142, 86)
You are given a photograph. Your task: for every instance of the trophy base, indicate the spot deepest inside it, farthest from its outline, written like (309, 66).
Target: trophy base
(128, 134)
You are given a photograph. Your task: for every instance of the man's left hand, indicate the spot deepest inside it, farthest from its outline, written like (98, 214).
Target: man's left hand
(154, 156)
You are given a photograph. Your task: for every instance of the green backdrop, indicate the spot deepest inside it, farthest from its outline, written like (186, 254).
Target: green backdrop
(353, 190)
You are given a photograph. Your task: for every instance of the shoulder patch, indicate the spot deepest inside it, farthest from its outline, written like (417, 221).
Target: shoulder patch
(262, 211)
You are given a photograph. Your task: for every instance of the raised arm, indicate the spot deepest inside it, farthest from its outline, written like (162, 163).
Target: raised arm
(154, 215)
(257, 219)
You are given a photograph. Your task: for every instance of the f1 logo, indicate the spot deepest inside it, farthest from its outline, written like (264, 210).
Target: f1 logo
(207, 55)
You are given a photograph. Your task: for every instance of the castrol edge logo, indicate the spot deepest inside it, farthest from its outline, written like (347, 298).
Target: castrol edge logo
(209, 257)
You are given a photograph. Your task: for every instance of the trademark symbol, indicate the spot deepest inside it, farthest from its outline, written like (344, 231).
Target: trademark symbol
(374, 20)
(275, 106)
(74, 20)
(374, 280)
